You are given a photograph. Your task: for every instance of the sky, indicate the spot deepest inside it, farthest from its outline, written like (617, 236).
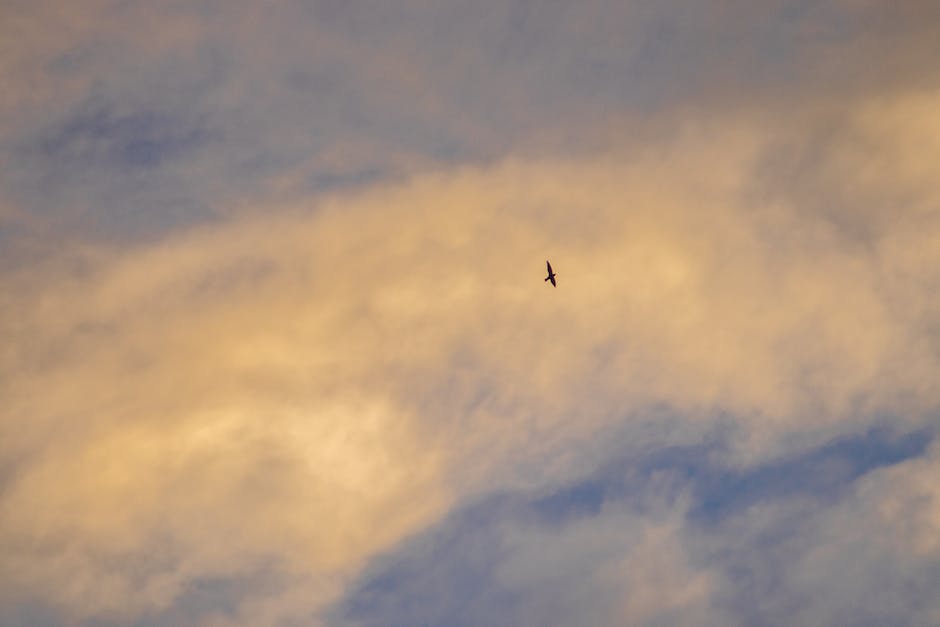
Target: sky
(277, 349)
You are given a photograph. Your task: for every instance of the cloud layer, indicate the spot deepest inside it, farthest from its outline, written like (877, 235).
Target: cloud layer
(279, 351)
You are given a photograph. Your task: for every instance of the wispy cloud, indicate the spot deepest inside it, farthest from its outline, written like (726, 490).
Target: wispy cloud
(274, 318)
(668, 536)
(311, 387)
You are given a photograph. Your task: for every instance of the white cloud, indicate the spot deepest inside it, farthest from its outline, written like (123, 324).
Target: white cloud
(872, 556)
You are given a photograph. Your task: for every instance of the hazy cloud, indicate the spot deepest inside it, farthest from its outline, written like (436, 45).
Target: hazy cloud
(309, 387)
(271, 298)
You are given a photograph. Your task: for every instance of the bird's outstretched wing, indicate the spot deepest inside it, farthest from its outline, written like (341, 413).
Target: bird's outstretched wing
(549, 266)
(552, 279)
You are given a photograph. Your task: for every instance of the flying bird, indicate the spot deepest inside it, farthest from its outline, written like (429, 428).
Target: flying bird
(551, 275)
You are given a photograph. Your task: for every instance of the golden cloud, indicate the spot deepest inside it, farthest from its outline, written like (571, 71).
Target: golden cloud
(304, 387)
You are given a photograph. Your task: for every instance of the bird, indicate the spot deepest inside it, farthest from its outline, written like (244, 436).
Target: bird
(551, 275)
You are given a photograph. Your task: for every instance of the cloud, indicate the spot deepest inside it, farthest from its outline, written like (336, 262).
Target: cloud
(301, 391)
(329, 331)
(867, 558)
(301, 98)
(623, 569)
(670, 536)
(497, 563)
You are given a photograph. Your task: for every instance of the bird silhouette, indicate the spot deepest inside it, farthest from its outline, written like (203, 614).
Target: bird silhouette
(551, 275)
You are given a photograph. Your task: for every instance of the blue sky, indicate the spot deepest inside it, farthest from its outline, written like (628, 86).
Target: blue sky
(278, 350)
(455, 573)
